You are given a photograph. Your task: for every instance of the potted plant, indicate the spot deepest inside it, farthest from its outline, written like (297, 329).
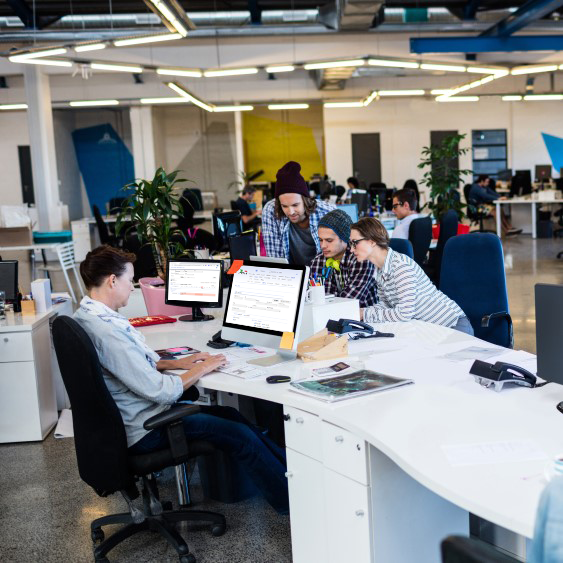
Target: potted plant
(444, 177)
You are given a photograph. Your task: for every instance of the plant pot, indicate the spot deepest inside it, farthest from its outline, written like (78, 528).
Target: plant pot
(153, 294)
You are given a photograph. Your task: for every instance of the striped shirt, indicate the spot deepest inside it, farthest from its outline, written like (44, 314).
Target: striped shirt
(406, 293)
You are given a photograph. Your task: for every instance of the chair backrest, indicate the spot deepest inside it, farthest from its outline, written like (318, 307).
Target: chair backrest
(102, 227)
(471, 205)
(420, 235)
(65, 252)
(402, 245)
(99, 434)
(225, 225)
(448, 229)
(472, 274)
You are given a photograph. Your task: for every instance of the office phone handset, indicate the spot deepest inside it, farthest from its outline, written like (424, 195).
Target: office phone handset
(496, 375)
(358, 329)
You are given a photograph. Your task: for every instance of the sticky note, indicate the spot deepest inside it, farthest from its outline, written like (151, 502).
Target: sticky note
(235, 266)
(287, 341)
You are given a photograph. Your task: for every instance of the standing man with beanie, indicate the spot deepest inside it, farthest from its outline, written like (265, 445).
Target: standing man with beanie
(290, 220)
(344, 275)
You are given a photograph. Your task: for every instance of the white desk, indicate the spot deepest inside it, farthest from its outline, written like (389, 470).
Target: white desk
(31, 248)
(368, 478)
(523, 201)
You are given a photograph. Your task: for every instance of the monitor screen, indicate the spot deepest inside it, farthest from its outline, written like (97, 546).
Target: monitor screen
(549, 327)
(543, 172)
(196, 283)
(9, 279)
(351, 209)
(242, 247)
(265, 298)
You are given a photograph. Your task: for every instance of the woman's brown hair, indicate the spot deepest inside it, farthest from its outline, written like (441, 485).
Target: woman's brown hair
(102, 262)
(309, 203)
(373, 230)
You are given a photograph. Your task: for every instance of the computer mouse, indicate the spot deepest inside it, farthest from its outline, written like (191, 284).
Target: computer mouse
(278, 379)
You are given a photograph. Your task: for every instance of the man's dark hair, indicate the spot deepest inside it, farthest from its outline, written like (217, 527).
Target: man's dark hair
(309, 203)
(406, 196)
(248, 190)
(353, 181)
(102, 262)
(482, 178)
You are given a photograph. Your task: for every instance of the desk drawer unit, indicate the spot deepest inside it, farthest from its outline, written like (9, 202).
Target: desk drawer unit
(303, 432)
(344, 453)
(16, 347)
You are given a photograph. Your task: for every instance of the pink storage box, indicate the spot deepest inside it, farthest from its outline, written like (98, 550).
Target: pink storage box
(154, 299)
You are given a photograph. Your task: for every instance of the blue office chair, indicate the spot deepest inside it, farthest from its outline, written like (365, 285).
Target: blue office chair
(448, 229)
(420, 235)
(401, 245)
(473, 276)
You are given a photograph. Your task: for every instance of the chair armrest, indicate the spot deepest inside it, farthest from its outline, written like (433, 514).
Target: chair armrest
(501, 314)
(169, 416)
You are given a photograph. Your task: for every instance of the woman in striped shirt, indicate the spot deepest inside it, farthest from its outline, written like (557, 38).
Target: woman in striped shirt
(405, 292)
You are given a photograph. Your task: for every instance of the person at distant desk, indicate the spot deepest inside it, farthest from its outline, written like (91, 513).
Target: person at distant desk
(133, 374)
(344, 275)
(353, 184)
(405, 209)
(481, 194)
(291, 219)
(249, 217)
(404, 291)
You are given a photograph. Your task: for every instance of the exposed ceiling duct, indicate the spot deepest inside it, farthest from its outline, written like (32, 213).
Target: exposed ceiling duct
(352, 15)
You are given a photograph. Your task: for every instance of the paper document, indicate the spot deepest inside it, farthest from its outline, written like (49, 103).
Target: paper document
(471, 353)
(64, 427)
(509, 451)
(237, 365)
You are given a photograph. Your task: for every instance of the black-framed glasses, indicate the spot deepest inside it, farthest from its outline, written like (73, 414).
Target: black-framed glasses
(354, 243)
(395, 205)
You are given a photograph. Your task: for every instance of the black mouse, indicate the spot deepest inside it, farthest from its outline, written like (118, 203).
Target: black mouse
(278, 379)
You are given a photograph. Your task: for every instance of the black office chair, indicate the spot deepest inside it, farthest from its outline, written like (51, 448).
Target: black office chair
(104, 461)
(420, 235)
(116, 205)
(105, 236)
(401, 245)
(190, 201)
(225, 225)
(459, 549)
(448, 229)
(476, 216)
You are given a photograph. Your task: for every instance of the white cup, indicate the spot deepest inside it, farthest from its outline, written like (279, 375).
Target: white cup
(202, 253)
(316, 295)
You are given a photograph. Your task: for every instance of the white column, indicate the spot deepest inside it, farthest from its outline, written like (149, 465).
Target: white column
(143, 141)
(42, 140)
(239, 145)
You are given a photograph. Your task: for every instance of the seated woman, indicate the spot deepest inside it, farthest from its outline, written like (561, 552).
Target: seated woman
(405, 292)
(133, 375)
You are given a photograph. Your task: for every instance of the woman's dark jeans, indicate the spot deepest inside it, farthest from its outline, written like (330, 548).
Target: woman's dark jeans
(230, 432)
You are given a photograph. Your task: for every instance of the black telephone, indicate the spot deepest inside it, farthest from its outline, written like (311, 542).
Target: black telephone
(362, 330)
(496, 375)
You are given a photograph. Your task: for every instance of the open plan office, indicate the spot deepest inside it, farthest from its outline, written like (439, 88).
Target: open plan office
(281, 282)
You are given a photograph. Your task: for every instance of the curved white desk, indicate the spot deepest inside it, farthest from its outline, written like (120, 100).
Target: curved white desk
(368, 478)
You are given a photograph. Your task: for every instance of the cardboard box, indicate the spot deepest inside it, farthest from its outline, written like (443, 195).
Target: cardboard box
(15, 236)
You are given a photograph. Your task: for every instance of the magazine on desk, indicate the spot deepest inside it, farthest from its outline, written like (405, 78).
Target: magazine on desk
(340, 387)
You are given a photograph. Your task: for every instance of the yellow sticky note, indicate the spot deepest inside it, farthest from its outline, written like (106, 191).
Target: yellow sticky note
(287, 341)
(235, 267)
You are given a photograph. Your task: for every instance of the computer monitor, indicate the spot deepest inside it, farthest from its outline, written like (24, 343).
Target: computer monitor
(362, 202)
(549, 328)
(521, 183)
(225, 225)
(9, 279)
(195, 284)
(265, 302)
(543, 172)
(242, 247)
(351, 209)
(504, 175)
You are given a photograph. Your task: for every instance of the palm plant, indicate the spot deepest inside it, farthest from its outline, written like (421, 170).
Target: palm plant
(151, 208)
(444, 177)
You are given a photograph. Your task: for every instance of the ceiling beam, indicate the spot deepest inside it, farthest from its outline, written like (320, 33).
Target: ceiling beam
(486, 44)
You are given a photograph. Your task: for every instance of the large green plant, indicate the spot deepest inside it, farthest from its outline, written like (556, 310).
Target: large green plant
(443, 177)
(151, 209)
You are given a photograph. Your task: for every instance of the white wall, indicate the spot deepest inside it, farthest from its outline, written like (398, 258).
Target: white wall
(13, 132)
(404, 126)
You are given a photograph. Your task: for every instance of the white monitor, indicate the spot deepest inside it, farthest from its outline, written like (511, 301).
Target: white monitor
(264, 302)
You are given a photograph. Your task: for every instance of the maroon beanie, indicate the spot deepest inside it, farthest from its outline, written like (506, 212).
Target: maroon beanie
(289, 181)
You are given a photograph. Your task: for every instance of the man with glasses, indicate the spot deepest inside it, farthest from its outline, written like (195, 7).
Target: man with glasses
(404, 207)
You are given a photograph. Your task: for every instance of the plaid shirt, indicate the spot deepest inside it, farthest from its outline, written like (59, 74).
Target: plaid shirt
(275, 232)
(355, 280)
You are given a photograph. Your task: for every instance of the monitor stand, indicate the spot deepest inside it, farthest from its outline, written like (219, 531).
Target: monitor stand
(280, 357)
(196, 316)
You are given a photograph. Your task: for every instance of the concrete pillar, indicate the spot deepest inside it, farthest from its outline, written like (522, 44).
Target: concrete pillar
(142, 141)
(42, 140)
(239, 144)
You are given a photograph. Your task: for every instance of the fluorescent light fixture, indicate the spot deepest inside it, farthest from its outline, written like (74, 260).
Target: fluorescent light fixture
(457, 99)
(232, 108)
(91, 47)
(483, 70)
(5, 107)
(370, 98)
(542, 97)
(532, 69)
(394, 64)
(47, 62)
(89, 103)
(334, 64)
(401, 93)
(147, 39)
(343, 104)
(447, 68)
(43, 53)
(511, 98)
(175, 100)
(283, 68)
(560, 67)
(170, 17)
(194, 73)
(441, 92)
(178, 88)
(117, 67)
(229, 72)
(288, 106)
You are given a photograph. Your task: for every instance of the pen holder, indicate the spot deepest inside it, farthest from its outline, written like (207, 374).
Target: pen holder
(28, 307)
(316, 295)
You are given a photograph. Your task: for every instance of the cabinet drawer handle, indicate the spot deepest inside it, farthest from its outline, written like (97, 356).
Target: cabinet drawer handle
(289, 474)
(359, 512)
(299, 420)
(339, 439)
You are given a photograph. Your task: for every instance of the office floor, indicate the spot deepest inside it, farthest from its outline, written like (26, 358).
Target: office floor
(45, 509)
